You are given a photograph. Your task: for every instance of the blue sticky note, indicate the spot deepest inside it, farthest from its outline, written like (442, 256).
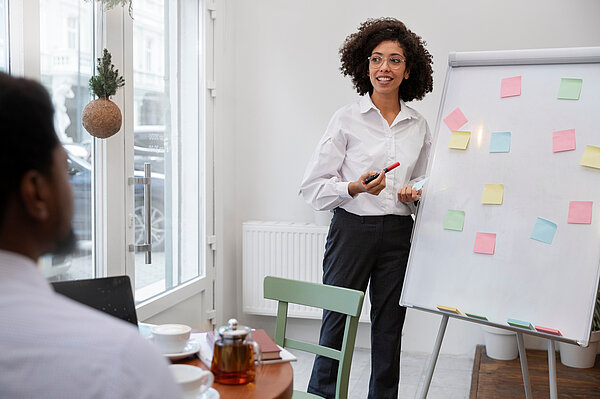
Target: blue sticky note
(500, 142)
(543, 230)
(520, 323)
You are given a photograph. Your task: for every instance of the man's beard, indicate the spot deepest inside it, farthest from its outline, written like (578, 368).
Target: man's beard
(66, 245)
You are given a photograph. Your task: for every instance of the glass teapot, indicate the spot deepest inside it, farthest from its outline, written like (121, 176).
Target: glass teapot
(235, 355)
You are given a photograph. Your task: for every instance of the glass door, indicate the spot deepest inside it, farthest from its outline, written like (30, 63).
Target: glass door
(169, 139)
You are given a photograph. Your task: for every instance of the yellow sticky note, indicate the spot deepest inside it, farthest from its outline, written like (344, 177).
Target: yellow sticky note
(591, 157)
(459, 140)
(448, 309)
(492, 194)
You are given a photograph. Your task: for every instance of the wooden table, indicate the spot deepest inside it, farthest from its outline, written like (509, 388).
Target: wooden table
(272, 381)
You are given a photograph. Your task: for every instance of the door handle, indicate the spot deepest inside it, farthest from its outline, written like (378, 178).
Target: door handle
(147, 182)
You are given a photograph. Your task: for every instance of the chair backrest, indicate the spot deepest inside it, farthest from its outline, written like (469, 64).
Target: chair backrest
(342, 300)
(112, 295)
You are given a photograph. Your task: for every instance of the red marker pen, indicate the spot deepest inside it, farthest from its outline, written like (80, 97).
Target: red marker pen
(385, 170)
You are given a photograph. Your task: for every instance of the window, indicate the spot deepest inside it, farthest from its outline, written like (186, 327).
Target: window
(72, 34)
(65, 69)
(161, 53)
(148, 55)
(3, 36)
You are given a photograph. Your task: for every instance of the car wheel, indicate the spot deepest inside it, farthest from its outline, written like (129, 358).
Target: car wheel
(158, 226)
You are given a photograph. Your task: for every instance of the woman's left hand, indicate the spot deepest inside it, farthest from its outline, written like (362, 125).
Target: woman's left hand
(408, 194)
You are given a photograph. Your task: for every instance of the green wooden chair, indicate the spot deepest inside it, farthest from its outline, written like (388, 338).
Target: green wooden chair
(337, 299)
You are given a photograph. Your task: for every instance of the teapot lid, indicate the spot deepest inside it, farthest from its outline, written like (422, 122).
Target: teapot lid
(233, 331)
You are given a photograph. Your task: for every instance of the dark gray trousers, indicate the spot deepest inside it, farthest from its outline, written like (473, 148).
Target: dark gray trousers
(359, 249)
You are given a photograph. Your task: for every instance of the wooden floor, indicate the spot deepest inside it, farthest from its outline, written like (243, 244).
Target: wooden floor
(503, 379)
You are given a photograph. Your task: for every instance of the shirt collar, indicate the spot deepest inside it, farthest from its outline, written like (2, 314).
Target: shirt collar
(406, 112)
(366, 103)
(16, 267)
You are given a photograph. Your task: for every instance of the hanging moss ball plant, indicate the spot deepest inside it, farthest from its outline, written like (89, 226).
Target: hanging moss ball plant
(102, 117)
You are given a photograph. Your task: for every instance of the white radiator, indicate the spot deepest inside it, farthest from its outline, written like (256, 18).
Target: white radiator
(289, 250)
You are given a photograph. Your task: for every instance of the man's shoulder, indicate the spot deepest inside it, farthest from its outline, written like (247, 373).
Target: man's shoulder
(76, 349)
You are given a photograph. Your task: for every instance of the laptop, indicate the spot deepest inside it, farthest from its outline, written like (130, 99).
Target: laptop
(112, 295)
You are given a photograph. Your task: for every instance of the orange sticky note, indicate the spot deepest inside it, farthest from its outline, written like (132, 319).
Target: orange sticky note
(485, 243)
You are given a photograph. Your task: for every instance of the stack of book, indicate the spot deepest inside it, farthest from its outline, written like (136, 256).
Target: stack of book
(268, 349)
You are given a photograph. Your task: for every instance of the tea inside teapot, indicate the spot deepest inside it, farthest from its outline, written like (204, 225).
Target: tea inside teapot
(234, 354)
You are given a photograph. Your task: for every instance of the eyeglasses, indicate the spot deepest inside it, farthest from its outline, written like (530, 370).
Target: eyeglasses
(394, 62)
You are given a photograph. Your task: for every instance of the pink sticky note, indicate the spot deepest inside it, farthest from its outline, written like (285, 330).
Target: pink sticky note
(563, 140)
(455, 120)
(510, 87)
(580, 212)
(485, 243)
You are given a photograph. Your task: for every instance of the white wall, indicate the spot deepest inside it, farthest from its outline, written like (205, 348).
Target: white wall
(279, 83)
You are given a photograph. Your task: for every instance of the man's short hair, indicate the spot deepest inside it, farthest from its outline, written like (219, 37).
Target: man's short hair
(26, 133)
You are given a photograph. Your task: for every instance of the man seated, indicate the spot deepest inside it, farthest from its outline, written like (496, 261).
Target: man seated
(50, 346)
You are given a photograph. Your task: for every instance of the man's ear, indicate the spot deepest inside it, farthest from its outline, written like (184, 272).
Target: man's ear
(34, 195)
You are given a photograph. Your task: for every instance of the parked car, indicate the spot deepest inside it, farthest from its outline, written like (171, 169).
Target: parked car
(80, 171)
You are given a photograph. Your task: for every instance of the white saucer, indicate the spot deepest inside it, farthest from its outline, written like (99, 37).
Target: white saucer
(210, 394)
(190, 348)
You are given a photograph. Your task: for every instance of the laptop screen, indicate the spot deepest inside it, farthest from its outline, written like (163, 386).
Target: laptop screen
(112, 295)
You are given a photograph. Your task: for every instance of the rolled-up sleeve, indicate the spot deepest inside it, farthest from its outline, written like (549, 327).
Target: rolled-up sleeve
(322, 186)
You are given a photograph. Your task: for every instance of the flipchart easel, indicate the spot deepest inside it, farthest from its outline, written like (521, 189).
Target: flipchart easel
(521, 279)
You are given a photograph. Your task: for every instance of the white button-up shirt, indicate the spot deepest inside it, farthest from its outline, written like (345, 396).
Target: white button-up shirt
(357, 140)
(52, 347)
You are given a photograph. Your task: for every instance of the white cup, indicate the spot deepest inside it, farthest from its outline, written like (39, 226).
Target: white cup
(171, 338)
(192, 380)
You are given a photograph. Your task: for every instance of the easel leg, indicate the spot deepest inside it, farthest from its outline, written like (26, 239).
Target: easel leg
(434, 356)
(552, 369)
(524, 369)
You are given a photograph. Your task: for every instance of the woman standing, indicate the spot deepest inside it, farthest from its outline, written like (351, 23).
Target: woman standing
(369, 236)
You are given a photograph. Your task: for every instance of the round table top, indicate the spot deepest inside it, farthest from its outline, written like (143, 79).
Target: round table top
(272, 381)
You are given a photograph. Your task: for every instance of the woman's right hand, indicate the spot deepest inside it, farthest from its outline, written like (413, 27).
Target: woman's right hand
(374, 187)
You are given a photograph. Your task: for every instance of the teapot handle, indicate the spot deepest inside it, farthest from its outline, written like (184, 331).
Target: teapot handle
(257, 355)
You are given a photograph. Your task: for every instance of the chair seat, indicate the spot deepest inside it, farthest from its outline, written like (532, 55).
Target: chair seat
(304, 395)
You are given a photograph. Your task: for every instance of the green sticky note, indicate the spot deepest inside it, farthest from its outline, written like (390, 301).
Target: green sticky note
(455, 220)
(520, 323)
(570, 88)
(476, 316)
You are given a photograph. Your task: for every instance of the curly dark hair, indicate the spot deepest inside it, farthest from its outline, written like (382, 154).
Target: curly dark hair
(358, 47)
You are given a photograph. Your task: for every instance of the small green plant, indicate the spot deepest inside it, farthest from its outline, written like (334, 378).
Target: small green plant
(107, 81)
